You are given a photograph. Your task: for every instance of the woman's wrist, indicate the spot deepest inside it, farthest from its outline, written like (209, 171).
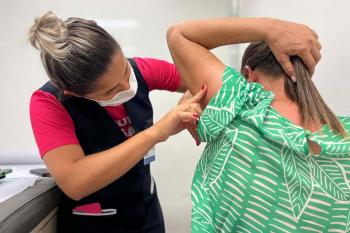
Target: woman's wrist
(266, 28)
(152, 134)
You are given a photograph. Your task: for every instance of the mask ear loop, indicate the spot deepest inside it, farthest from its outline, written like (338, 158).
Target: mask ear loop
(132, 79)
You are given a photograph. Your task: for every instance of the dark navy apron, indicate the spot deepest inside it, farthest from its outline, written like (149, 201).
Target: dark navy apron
(137, 207)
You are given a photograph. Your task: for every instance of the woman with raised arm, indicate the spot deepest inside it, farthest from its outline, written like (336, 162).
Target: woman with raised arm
(277, 159)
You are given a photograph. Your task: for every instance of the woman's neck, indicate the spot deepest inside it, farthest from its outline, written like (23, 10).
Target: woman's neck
(283, 105)
(275, 85)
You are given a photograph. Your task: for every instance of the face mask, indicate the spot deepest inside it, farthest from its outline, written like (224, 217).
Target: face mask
(123, 96)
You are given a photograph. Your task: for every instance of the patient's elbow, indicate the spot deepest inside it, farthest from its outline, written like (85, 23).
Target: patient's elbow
(172, 34)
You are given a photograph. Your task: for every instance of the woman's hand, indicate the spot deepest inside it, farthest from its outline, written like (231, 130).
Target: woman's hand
(192, 129)
(183, 116)
(292, 39)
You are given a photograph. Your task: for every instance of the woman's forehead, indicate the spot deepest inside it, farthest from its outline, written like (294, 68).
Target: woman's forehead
(113, 74)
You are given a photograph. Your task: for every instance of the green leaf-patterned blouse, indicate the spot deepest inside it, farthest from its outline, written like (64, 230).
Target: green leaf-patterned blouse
(257, 174)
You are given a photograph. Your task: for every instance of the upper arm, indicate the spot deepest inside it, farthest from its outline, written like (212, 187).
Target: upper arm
(51, 124)
(54, 133)
(59, 162)
(159, 74)
(197, 65)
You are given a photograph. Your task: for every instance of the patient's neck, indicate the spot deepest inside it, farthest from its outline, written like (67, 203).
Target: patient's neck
(275, 85)
(281, 102)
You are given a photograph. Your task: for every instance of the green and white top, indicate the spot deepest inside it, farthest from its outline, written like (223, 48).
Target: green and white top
(257, 174)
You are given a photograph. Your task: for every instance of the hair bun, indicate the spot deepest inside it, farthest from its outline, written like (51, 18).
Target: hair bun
(49, 34)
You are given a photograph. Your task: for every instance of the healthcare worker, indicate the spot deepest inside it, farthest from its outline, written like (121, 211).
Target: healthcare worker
(93, 124)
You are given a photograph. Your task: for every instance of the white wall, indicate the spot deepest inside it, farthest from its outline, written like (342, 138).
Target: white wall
(140, 28)
(330, 19)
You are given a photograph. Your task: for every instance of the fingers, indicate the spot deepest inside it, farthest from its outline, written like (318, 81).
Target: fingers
(304, 44)
(199, 96)
(312, 55)
(194, 135)
(315, 47)
(316, 42)
(185, 97)
(194, 108)
(189, 111)
(308, 60)
(316, 54)
(286, 65)
(313, 33)
(187, 117)
(318, 45)
(316, 51)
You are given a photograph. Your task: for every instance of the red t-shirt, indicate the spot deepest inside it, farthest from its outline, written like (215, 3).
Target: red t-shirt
(53, 127)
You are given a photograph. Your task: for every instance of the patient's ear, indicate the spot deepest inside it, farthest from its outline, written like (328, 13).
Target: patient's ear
(250, 74)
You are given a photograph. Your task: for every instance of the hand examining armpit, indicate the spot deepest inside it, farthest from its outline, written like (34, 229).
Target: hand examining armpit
(192, 129)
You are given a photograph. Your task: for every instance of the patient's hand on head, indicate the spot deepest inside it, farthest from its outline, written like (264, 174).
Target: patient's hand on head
(292, 39)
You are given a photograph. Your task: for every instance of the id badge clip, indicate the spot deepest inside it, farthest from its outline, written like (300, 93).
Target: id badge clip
(149, 157)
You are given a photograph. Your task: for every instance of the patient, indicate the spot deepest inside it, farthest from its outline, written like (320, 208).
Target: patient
(277, 159)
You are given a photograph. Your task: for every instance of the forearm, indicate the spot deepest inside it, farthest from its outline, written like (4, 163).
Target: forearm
(284, 38)
(217, 32)
(189, 44)
(79, 176)
(93, 172)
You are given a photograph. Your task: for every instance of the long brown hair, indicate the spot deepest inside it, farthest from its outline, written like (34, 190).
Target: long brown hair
(303, 92)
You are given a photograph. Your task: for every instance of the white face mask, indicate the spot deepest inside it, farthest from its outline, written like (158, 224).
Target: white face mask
(123, 96)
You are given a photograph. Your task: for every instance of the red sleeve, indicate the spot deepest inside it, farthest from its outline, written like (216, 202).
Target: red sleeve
(158, 74)
(52, 126)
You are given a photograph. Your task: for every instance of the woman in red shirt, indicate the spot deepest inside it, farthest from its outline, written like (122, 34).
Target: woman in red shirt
(93, 124)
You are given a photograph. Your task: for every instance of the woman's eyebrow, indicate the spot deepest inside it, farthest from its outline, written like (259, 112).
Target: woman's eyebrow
(126, 69)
